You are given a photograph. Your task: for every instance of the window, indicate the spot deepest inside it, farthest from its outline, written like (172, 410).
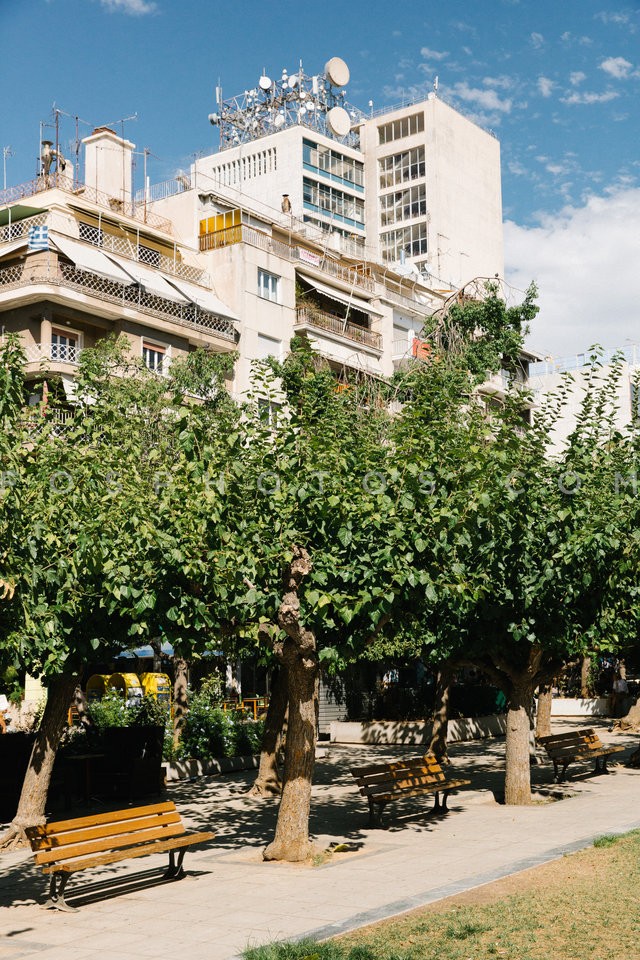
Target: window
(322, 198)
(397, 129)
(407, 204)
(400, 167)
(268, 286)
(412, 240)
(332, 164)
(268, 347)
(153, 356)
(64, 346)
(148, 255)
(91, 234)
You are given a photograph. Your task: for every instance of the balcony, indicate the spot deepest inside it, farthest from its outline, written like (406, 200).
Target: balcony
(313, 317)
(241, 233)
(124, 296)
(58, 181)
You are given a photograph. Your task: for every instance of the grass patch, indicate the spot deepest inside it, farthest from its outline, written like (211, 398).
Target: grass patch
(583, 905)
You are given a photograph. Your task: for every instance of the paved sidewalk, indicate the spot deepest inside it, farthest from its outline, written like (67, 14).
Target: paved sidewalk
(231, 899)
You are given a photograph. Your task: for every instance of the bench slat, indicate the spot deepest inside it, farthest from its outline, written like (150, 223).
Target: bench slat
(114, 856)
(387, 797)
(70, 851)
(40, 841)
(575, 735)
(114, 816)
(398, 781)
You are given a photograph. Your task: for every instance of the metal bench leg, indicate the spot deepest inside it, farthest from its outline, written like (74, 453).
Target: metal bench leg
(603, 765)
(555, 772)
(175, 871)
(56, 899)
(375, 817)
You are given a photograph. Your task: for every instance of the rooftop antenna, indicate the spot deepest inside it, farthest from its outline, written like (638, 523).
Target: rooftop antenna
(6, 152)
(435, 85)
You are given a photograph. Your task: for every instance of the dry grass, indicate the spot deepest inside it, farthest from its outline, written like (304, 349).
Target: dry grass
(584, 905)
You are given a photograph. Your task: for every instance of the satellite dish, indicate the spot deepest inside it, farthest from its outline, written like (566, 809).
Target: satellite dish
(264, 83)
(293, 81)
(302, 111)
(337, 72)
(338, 121)
(279, 120)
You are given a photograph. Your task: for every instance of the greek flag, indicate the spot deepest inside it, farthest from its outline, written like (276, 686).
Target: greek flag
(38, 238)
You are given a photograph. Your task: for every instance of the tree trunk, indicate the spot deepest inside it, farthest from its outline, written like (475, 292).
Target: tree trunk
(180, 703)
(33, 798)
(584, 677)
(517, 784)
(267, 782)
(438, 744)
(299, 654)
(543, 713)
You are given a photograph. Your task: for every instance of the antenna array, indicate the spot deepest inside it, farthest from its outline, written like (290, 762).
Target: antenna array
(317, 102)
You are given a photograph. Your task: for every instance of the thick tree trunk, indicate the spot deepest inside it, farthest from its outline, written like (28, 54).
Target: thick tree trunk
(438, 744)
(180, 702)
(543, 713)
(517, 784)
(299, 655)
(584, 677)
(268, 782)
(33, 798)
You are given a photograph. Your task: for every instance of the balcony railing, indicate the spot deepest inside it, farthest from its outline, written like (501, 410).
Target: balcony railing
(58, 352)
(187, 315)
(312, 317)
(58, 181)
(245, 234)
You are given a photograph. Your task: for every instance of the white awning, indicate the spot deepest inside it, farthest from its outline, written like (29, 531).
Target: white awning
(89, 258)
(151, 281)
(7, 248)
(202, 298)
(356, 303)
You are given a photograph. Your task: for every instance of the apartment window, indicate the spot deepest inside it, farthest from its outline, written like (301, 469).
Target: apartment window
(268, 286)
(322, 198)
(268, 347)
(91, 234)
(397, 129)
(408, 204)
(153, 356)
(411, 240)
(65, 346)
(332, 164)
(400, 167)
(148, 255)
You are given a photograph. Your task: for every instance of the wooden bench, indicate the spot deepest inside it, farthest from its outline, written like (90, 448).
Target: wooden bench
(66, 846)
(381, 783)
(563, 748)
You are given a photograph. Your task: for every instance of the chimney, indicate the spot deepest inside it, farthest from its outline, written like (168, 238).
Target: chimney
(107, 166)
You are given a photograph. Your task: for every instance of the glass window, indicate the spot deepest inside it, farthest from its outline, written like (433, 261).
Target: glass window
(64, 346)
(268, 347)
(411, 240)
(268, 286)
(400, 167)
(397, 129)
(407, 204)
(153, 356)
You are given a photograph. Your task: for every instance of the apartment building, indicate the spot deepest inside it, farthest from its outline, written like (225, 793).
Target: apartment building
(312, 218)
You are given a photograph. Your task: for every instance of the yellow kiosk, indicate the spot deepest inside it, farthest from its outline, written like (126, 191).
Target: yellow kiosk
(97, 686)
(128, 685)
(157, 685)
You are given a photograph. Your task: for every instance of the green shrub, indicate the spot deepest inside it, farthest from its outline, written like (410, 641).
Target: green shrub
(109, 711)
(207, 733)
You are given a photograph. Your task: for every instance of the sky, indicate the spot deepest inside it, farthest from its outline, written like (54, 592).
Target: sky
(557, 81)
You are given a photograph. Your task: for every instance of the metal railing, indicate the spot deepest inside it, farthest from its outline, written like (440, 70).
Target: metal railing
(58, 181)
(311, 317)
(58, 352)
(630, 354)
(188, 315)
(241, 233)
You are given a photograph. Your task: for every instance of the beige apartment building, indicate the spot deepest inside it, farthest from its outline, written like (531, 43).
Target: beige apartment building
(312, 219)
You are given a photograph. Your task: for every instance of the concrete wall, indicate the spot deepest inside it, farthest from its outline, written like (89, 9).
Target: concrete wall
(410, 732)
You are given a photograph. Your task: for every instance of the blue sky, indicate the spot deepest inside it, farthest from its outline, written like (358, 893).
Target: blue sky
(557, 82)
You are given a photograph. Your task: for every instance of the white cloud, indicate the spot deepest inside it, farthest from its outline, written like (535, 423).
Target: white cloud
(486, 99)
(545, 86)
(616, 67)
(584, 261)
(577, 77)
(590, 97)
(135, 8)
(537, 40)
(434, 54)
